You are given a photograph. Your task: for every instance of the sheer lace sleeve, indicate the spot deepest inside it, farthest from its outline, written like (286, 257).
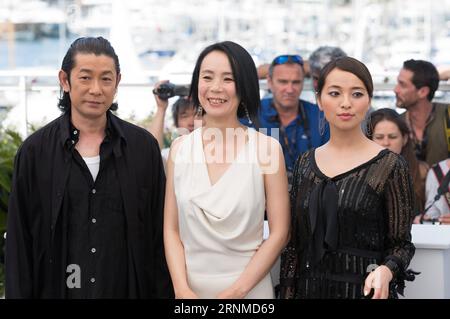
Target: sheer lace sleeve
(288, 272)
(289, 256)
(399, 194)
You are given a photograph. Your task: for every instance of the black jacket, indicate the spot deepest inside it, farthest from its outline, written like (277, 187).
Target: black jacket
(36, 243)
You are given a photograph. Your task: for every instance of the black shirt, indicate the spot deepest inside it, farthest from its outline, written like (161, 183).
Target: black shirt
(96, 233)
(343, 226)
(38, 232)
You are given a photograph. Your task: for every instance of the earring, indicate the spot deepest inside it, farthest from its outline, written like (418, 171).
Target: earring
(247, 114)
(367, 127)
(322, 123)
(200, 110)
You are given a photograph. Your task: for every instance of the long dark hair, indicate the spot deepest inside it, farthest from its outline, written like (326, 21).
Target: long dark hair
(97, 46)
(244, 73)
(386, 114)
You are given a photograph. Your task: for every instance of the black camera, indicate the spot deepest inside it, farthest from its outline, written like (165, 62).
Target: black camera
(168, 90)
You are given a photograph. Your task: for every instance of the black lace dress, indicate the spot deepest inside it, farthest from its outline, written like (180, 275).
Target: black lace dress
(343, 227)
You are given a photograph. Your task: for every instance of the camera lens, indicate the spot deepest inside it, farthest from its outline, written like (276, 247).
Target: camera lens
(164, 91)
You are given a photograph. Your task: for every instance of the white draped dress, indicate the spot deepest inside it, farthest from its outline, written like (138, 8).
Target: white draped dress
(221, 225)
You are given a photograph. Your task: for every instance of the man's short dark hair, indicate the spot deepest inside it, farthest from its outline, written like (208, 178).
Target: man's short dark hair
(87, 45)
(424, 74)
(180, 106)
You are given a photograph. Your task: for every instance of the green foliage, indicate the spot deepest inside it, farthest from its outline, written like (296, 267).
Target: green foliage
(9, 143)
(145, 123)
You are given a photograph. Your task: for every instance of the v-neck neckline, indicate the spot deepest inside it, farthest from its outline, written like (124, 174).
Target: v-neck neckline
(230, 166)
(343, 174)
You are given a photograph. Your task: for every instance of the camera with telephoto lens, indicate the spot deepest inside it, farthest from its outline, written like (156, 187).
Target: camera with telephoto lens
(168, 90)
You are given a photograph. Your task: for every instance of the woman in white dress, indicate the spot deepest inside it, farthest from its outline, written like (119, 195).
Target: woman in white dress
(220, 180)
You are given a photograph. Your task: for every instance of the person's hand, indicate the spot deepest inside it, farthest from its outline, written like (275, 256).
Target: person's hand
(444, 73)
(263, 71)
(161, 105)
(445, 219)
(231, 293)
(186, 294)
(378, 280)
(417, 219)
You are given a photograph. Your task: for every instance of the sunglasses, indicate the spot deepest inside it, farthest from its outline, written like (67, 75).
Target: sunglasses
(282, 59)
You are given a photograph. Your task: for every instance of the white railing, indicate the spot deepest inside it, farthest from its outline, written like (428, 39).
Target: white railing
(32, 97)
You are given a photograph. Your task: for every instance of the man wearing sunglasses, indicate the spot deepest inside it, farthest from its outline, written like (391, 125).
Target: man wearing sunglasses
(293, 121)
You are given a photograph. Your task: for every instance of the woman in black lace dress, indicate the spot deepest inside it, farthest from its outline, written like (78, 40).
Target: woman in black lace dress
(351, 200)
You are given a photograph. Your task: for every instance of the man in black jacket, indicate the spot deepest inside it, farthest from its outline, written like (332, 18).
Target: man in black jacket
(86, 206)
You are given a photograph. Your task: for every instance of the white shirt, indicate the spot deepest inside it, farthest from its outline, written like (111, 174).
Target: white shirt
(93, 163)
(441, 206)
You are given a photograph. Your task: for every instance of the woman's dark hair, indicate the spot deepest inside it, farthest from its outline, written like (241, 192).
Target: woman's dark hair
(347, 64)
(86, 45)
(386, 114)
(179, 106)
(244, 73)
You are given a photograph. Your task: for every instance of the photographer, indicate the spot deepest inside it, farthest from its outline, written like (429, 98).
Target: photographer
(440, 209)
(183, 112)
